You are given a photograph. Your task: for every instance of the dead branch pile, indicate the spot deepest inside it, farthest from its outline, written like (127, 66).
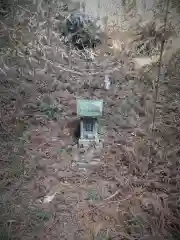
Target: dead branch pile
(149, 37)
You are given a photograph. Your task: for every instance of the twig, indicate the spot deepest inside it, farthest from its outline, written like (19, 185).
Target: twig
(113, 195)
(1, 70)
(64, 69)
(9, 134)
(26, 10)
(9, 228)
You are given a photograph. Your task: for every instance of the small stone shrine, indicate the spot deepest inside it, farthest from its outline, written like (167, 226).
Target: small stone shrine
(89, 112)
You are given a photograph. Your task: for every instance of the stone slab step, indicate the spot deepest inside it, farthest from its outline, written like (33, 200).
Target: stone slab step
(87, 164)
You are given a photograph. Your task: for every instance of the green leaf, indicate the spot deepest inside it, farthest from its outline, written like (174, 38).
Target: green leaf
(42, 215)
(93, 195)
(60, 150)
(51, 111)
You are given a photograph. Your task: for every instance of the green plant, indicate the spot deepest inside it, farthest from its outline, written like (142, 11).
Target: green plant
(60, 150)
(41, 215)
(51, 111)
(4, 235)
(93, 195)
(24, 138)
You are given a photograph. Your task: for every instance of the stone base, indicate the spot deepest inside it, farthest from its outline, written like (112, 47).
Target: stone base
(86, 143)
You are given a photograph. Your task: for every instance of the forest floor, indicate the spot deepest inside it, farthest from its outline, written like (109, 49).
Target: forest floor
(128, 188)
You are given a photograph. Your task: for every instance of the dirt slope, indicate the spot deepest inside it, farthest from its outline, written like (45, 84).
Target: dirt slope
(132, 192)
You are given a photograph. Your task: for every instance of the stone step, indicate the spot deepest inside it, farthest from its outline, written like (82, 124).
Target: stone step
(83, 160)
(87, 164)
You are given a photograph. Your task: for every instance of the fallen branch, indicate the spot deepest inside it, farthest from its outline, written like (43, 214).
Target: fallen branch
(113, 195)
(4, 128)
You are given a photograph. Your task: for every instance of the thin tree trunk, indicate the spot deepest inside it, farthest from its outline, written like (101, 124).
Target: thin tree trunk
(98, 9)
(121, 10)
(140, 6)
(49, 23)
(83, 6)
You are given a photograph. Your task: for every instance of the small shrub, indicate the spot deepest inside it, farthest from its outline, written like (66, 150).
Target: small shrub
(51, 111)
(93, 195)
(42, 215)
(81, 30)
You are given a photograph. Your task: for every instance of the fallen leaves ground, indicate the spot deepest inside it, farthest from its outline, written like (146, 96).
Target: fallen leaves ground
(133, 193)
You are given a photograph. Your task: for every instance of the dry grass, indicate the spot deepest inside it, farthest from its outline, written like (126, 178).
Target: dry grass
(40, 81)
